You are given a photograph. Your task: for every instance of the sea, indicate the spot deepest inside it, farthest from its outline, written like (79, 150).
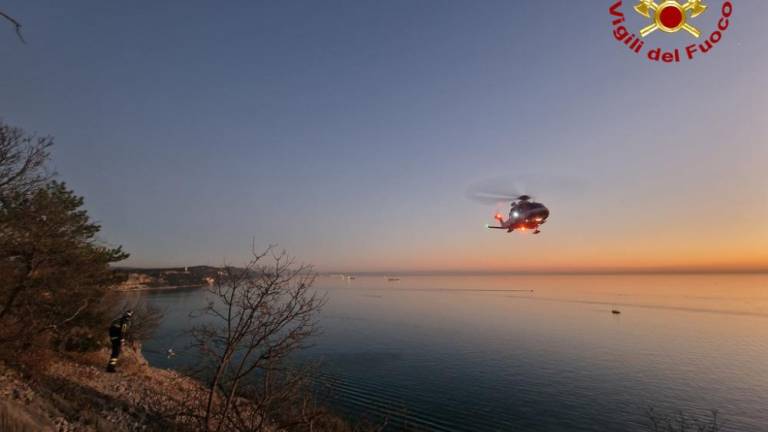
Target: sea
(526, 352)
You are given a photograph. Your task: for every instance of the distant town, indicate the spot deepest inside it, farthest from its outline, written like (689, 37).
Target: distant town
(141, 279)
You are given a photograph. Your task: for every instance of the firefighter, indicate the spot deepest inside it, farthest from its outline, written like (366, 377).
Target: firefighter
(117, 332)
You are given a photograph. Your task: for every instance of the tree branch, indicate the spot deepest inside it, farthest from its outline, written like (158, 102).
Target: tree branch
(16, 24)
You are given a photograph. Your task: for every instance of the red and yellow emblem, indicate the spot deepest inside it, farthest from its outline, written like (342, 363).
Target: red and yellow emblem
(670, 16)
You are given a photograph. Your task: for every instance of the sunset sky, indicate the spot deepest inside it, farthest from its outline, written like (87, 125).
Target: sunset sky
(349, 131)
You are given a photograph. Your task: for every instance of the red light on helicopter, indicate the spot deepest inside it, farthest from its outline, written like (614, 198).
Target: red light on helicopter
(498, 216)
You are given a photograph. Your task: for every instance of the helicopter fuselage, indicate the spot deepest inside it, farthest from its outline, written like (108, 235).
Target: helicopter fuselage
(523, 215)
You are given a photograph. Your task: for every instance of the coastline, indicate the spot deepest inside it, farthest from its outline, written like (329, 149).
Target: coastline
(159, 288)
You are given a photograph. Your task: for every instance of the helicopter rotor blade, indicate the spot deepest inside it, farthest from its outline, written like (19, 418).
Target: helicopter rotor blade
(494, 191)
(504, 189)
(489, 198)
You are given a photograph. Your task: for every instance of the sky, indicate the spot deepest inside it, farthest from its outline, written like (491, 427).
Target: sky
(348, 132)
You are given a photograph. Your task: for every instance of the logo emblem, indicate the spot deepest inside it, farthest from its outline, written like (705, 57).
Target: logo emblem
(670, 16)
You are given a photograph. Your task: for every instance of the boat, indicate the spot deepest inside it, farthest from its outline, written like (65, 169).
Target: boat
(615, 311)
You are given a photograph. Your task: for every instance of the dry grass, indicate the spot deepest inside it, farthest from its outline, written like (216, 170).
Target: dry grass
(16, 418)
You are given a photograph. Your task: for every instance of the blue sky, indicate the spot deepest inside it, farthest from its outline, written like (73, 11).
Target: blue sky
(348, 132)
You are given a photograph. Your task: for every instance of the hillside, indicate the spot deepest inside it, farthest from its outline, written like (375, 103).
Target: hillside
(76, 394)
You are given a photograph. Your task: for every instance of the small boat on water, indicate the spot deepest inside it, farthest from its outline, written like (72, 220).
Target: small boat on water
(393, 279)
(615, 311)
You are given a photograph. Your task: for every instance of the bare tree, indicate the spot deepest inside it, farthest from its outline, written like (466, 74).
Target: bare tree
(258, 315)
(146, 320)
(22, 160)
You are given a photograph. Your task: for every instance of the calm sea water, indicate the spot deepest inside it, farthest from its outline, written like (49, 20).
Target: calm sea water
(531, 353)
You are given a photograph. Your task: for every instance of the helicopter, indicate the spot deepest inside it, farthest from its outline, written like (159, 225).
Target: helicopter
(524, 215)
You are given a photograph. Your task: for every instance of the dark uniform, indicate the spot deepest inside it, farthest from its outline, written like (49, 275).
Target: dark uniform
(117, 332)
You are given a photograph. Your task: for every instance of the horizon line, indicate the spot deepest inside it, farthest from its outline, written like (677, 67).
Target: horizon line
(520, 272)
(556, 272)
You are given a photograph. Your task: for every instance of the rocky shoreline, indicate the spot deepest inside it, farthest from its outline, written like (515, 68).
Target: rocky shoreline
(76, 394)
